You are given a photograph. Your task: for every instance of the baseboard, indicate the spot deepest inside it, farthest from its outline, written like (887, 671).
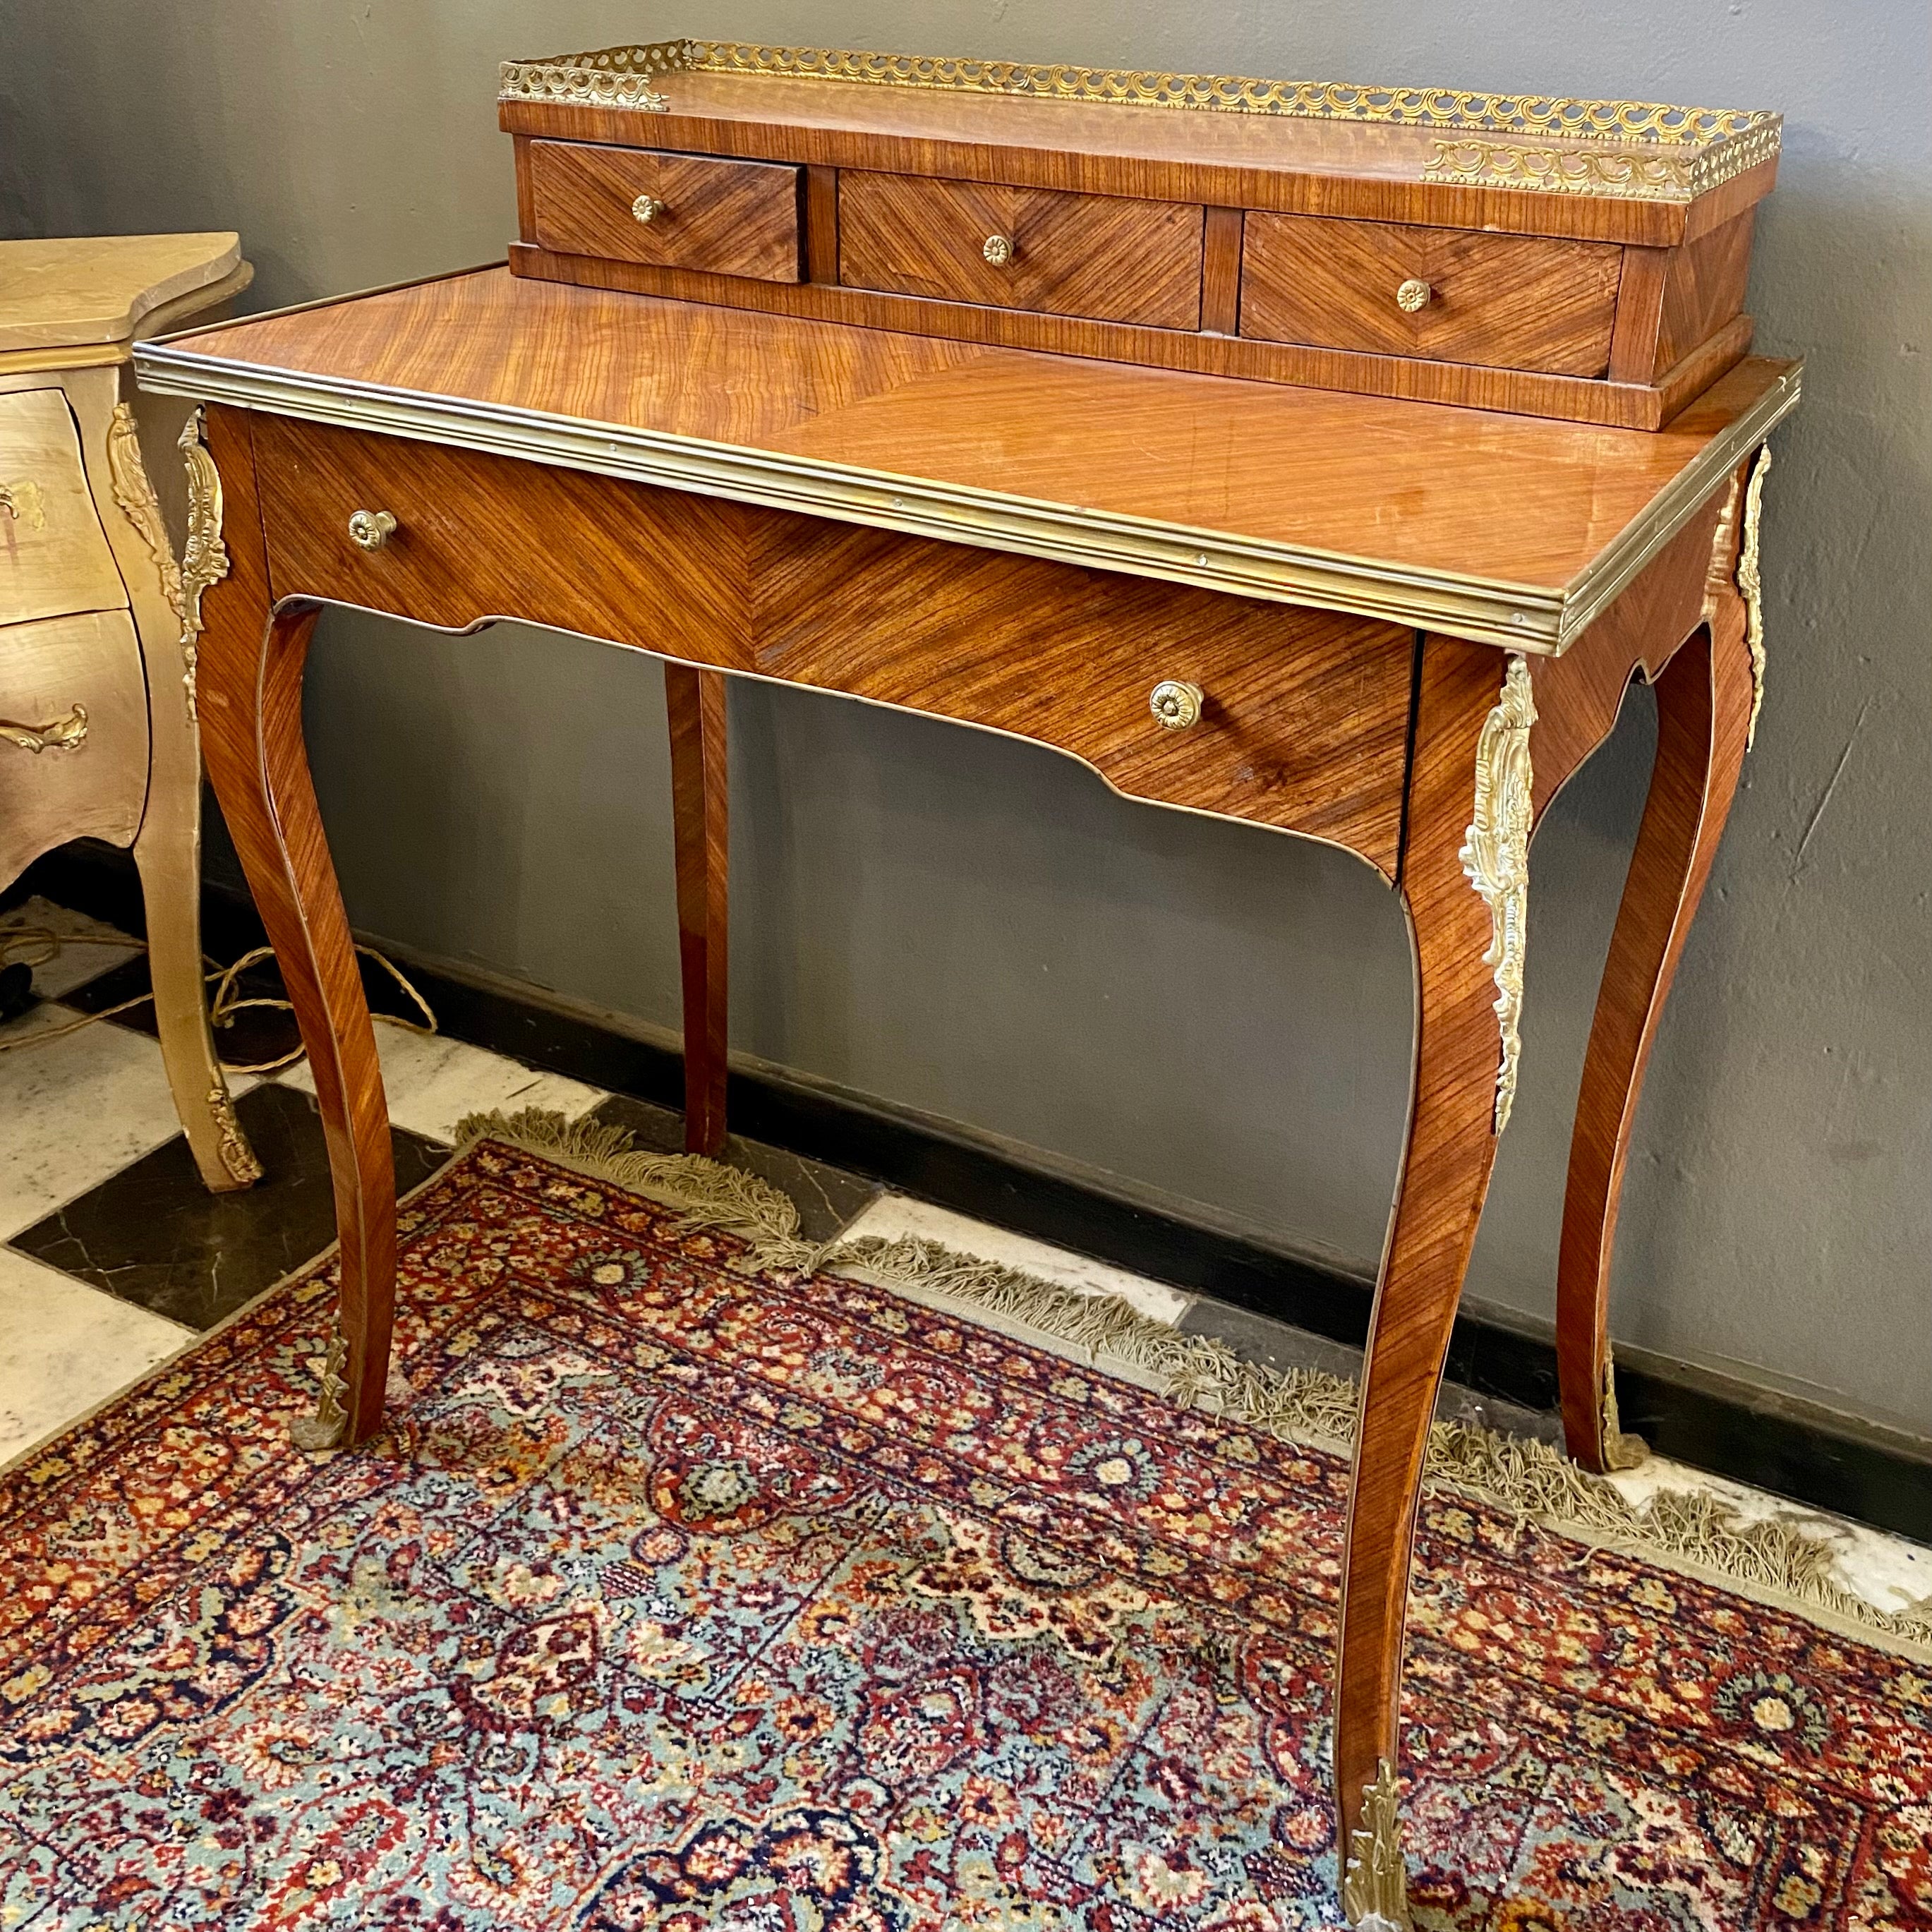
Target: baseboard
(1762, 1436)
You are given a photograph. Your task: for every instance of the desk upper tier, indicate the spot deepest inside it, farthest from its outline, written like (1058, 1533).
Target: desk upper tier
(1510, 530)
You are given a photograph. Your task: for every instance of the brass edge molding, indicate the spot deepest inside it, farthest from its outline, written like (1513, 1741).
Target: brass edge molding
(1622, 561)
(1751, 586)
(1541, 620)
(236, 1154)
(204, 559)
(1375, 1880)
(1523, 617)
(327, 1426)
(1652, 139)
(64, 734)
(1495, 859)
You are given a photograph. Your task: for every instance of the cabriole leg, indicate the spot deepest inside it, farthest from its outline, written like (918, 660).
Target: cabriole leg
(1703, 710)
(1463, 876)
(250, 684)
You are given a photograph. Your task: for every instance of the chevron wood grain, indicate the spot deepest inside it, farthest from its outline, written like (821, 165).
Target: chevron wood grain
(1509, 300)
(1098, 255)
(729, 217)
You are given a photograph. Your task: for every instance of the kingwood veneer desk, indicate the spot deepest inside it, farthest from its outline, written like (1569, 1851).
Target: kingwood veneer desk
(1397, 627)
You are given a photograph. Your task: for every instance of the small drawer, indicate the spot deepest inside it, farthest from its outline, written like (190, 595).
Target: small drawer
(1448, 294)
(727, 217)
(1101, 256)
(54, 558)
(73, 734)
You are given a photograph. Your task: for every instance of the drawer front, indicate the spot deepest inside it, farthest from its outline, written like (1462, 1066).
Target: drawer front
(1304, 715)
(728, 218)
(73, 735)
(1447, 295)
(476, 536)
(1101, 256)
(54, 558)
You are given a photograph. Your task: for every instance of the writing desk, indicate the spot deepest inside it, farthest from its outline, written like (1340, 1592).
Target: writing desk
(1395, 626)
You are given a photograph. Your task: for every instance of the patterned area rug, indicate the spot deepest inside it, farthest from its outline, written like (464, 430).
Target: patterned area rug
(681, 1594)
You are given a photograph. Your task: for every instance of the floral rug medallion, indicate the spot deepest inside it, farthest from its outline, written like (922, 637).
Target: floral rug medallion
(679, 1595)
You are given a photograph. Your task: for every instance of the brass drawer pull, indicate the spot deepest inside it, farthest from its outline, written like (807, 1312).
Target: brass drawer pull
(998, 250)
(1175, 705)
(64, 734)
(1413, 295)
(370, 530)
(647, 208)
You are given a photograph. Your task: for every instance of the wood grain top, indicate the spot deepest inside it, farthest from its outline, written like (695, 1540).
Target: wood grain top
(1506, 530)
(55, 294)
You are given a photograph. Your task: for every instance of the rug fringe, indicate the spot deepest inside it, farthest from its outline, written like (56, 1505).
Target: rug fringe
(1773, 1560)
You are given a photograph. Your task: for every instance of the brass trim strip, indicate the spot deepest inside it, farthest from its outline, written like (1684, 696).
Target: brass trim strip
(1617, 566)
(1517, 616)
(1659, 152)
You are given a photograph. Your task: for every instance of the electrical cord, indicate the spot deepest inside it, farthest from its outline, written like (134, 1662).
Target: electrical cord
(16, 948)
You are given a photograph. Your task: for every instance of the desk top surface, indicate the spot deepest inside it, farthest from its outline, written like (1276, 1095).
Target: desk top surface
(1509, 530)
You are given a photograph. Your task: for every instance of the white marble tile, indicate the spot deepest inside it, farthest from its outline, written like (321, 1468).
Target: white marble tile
(65, 1347)
(432, 1081)
(892, 1216)
(1889, 1572)
(75, 963)
(74, 1111)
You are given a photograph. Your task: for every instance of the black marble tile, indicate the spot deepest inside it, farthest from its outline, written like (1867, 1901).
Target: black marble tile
(827, 1197)
(258, 1035)
(155, 1236)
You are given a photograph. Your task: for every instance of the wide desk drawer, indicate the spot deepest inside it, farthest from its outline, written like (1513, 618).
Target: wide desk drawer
(1448, 294)
(1303, 717)
(1101, 256)
(730, 218)
(54, 557)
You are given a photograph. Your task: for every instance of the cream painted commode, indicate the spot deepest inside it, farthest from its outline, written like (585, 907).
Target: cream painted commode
(98, 616)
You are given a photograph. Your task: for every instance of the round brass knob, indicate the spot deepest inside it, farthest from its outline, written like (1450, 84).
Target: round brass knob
(1413, 294)
(998, 250)
(370, 530)
(1174, 704)
(647, 208)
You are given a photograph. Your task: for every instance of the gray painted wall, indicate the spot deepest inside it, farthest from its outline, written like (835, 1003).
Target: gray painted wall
(978, 928)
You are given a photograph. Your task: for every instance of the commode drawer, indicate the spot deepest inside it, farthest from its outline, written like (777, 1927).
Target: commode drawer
(729, 217)
(1101, 256)
(73, 734)
(1449, 295)
(54, 557)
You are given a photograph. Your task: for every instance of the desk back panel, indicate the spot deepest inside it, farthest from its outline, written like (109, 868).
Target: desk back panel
(1470, 249)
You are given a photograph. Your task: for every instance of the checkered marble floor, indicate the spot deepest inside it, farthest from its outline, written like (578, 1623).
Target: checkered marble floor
(113, 1257)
